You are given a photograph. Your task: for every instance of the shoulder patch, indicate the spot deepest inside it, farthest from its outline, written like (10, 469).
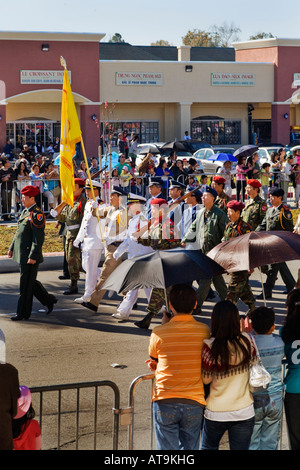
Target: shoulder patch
(264, 207)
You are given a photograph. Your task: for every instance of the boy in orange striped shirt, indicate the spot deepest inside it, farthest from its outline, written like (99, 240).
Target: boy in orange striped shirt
(175, 354)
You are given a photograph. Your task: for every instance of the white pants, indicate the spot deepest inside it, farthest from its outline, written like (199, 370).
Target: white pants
(130, 299)
(90, 263)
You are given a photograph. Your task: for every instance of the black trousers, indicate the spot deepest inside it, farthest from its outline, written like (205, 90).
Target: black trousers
(292, 413)
(30, 287)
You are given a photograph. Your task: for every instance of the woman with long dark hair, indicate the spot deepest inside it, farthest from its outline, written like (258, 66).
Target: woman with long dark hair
(290, 334)
(226, 360)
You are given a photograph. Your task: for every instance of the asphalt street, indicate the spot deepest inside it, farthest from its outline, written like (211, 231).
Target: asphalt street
(73, 344)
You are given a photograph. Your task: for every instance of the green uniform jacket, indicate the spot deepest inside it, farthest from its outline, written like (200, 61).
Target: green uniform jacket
(235, 229)
(277, 218)
(29, 237)
(207, 231)
(72, 216)
(222, 201)
(254, 211)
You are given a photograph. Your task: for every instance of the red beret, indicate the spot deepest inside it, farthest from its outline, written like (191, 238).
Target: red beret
(235, 205)
(219, 179)
(30, 191)
(158, 201)
(80, 182)
(254, 183)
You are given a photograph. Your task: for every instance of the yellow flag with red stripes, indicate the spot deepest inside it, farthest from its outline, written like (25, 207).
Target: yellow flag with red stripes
(69, 136)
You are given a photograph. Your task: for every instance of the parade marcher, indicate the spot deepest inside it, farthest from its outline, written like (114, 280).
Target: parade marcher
(255, 207)
(278, 217)
(26, 250)
(193, 203)
(72, 217)
(155, 191)
(115, 230)
(176, 191)
(89, 240)
(218, 183)
(130, 245)
(238, 286)
(162, 235)
(207, 231)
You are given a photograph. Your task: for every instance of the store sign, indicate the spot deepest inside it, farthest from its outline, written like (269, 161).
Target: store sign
(232, 79)
(139, 78)
(42, 77)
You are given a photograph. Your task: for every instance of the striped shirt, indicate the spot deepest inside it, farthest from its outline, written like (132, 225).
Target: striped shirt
(177, 346)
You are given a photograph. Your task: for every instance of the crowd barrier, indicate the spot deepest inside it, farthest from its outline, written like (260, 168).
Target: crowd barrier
(56, 405)
(10, 194)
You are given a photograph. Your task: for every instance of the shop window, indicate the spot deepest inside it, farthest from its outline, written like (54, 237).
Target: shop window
(216, 132)
(147, 131)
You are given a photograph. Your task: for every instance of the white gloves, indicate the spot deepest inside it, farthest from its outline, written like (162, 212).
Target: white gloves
(53, 213)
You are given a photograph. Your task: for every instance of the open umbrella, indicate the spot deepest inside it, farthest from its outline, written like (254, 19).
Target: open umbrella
(151, 148)
(174, 145)
(222, 157)
(245, 151)
(255, 249)
(162, 269)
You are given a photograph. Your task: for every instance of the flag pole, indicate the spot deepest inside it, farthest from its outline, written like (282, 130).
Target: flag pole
(91, 184)
(64, 64)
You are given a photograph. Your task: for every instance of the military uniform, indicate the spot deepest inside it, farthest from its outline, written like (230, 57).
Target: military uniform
(72, 217)
(162, 235)
(206, 232)
(115, 229)
(27, 244)
(254, 212)
(222, 201)
(238, 286)
(277, 218)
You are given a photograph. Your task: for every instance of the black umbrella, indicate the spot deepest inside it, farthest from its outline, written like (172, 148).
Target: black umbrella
(149, 149)
(174, 146)
(162, 269)
(245, 151)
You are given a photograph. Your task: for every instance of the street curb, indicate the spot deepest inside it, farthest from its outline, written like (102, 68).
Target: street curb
(51, 261)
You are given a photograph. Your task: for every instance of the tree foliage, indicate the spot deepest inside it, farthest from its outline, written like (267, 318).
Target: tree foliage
(161, 42)
(217, 36)
(261, 36)
(117, 37)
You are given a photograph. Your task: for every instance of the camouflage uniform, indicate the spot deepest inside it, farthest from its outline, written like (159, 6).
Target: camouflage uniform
(254, 211)
(161, 236)
(238, 286)
(72, 216)
(277, 218)
(222, 200)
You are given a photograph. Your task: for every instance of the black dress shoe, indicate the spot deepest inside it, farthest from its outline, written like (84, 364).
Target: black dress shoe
(261, 296)
(63, 276)
(50, 306)
(19, 318)
(90, 306)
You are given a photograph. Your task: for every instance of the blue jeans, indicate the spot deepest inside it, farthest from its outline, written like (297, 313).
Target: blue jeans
(239, 433)
(268, 415)
(177, 425)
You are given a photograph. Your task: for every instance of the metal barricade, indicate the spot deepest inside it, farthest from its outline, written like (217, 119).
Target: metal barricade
(78, 387)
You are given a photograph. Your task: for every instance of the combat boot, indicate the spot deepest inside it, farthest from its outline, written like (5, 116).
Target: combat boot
(145, 322)
(73, 289)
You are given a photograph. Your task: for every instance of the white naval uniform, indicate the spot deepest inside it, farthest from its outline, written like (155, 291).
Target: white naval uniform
(133, 248)
(92, 247)
(189, 214)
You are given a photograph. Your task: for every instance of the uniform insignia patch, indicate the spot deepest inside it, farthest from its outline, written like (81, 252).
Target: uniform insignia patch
(39, 217)
(263, 207)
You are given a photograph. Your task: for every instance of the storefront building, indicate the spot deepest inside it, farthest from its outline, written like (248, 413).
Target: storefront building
(223, 96)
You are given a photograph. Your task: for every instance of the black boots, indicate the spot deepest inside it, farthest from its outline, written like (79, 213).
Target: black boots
(73, 289)
(145, 322)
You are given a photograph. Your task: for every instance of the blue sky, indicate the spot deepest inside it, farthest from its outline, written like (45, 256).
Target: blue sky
(142, 22)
